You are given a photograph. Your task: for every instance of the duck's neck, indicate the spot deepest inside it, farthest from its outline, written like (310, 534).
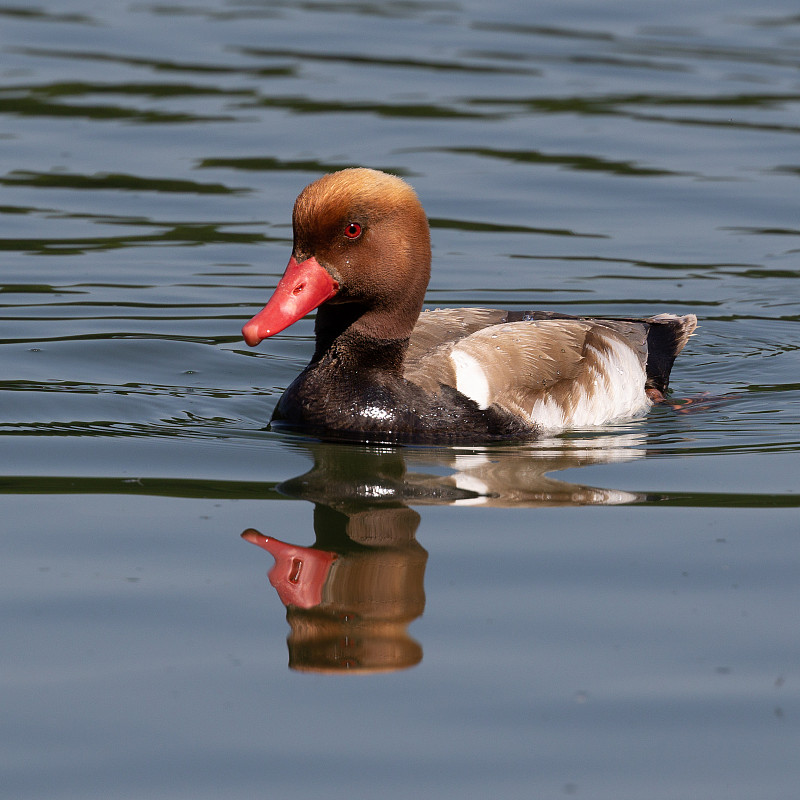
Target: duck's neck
(356, 355)
(360, 339)
(350, 347)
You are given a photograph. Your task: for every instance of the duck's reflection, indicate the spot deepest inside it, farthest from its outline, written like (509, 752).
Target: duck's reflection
(351, 596)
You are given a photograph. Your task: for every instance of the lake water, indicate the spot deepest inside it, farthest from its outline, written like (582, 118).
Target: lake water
(608, 614)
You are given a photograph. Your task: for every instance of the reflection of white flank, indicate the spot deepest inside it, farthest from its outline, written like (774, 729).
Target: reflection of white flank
(616, 497)
(467, 461)
(605, 444)
(607, 456)
(529, 473)
(600, 449)
(469, 483)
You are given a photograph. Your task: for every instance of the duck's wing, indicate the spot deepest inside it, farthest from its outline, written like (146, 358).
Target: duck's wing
(556, 373)
(667, 335)
(436, 331)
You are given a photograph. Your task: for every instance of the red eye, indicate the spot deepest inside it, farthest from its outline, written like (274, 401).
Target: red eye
(353, 230)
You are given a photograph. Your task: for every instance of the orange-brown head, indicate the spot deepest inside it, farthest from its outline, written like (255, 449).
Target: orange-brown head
(360, 238)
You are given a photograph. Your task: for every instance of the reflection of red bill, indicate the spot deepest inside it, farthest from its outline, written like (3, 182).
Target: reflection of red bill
(299, 572)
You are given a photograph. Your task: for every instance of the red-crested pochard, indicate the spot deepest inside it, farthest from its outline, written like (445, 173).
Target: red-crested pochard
(383, 371)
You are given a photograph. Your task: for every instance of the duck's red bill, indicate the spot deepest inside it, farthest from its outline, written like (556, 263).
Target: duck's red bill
(304, 286)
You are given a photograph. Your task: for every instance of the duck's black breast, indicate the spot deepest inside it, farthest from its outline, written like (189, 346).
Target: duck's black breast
(369, 400)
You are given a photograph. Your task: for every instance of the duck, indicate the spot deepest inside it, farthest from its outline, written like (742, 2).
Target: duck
(384, 370)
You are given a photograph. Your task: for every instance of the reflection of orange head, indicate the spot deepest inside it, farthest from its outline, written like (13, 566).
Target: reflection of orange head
(350, 611)
(369, 598)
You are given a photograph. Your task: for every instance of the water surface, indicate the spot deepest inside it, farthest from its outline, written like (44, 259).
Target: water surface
(607, 614)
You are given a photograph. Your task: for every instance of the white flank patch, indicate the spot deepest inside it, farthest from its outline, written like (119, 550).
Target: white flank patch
(548, 415)
(617, 392)
(470, 378)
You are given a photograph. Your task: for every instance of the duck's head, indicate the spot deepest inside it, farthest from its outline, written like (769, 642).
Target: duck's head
(361, 255)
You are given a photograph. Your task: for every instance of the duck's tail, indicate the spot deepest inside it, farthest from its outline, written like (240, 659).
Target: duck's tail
(667, 335)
